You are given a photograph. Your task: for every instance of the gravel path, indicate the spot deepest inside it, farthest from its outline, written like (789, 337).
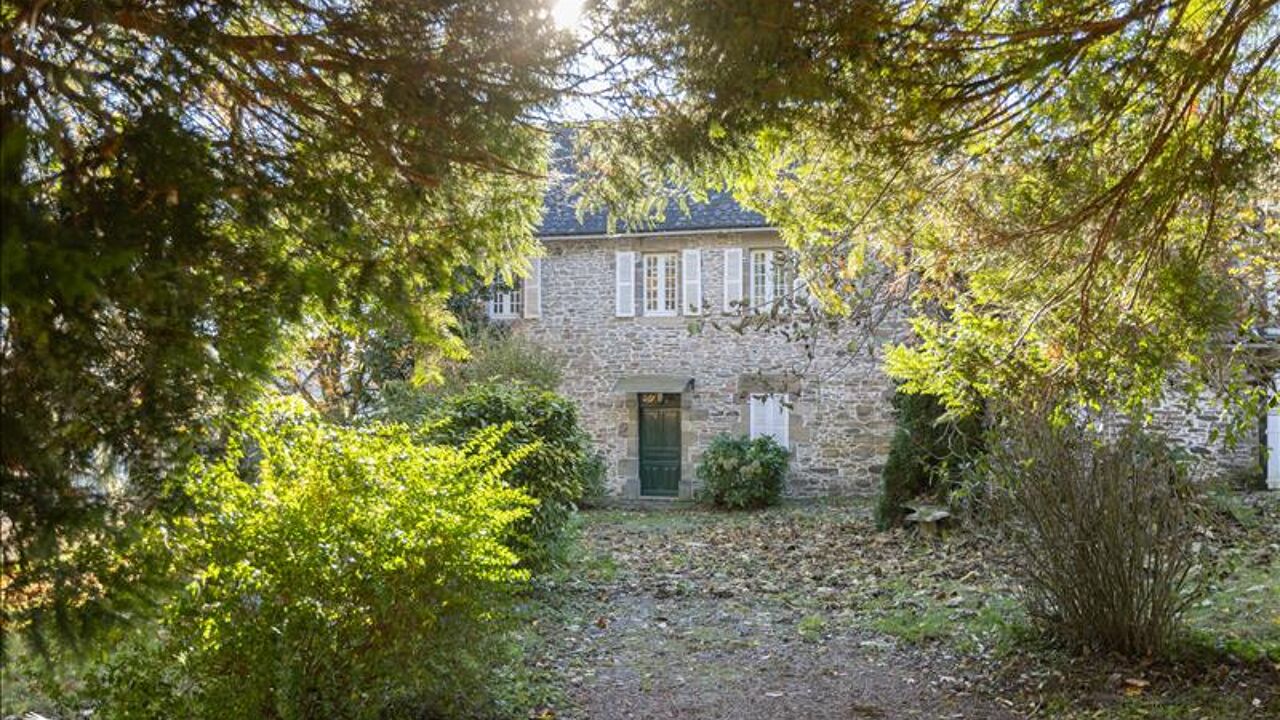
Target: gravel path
(681, 624)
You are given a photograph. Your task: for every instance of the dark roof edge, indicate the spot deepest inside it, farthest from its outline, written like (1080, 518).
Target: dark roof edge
(655, 233)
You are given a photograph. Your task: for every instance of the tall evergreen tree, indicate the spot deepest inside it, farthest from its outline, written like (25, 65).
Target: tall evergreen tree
(1071, 189)
(183, 180)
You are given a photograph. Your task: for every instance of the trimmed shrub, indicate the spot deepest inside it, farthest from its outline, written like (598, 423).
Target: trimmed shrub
(332, 572)
(1103, 531)
(739, 473)
(927, 455)
(556, 458)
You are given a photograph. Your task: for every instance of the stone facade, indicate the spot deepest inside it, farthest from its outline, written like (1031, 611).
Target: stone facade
(840, 417)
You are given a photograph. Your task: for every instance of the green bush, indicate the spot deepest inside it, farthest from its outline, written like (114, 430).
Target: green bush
(927, 455)
(331, 572)
(499, 355)
(594, 473)
(740, 473)
(556, 463)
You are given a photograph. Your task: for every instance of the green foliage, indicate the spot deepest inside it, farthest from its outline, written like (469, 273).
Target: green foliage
(496, 354)
(556, 454)
(928, 453)
(333, 572)
(183, 183)
(1064, 191)
(740, 473)
(1104, 532)
(594, 474)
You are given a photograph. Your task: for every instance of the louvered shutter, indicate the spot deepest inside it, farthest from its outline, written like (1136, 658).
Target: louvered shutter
(625, 284)
(533, 290)
(732, 278)
(692, 273)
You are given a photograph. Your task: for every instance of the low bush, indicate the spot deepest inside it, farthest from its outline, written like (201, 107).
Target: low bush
(555, 466)
(594, 473)
(740, 473)
(1103, 531)
(927, 455)
(331, 572)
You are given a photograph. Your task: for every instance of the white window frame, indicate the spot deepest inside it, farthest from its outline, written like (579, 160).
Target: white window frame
(661, 298)
(507, 302)
(768, 414)
(766, 276)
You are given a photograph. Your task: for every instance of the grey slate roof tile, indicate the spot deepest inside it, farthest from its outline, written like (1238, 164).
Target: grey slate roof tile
(560, 218)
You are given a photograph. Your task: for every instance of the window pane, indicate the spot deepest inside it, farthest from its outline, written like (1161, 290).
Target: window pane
(661, 278)
(759, 277)
(650, 283)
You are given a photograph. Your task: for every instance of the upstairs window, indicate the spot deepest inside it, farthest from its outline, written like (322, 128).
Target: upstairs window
(661, 283)
(507, 302)
(768, 273)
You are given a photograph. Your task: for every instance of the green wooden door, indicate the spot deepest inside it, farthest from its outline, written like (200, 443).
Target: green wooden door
(659, 444)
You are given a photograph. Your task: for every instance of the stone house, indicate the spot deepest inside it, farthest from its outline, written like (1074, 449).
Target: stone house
(629, 313)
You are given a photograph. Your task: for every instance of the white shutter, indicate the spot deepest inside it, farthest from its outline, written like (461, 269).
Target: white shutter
(625, 296)
(732, 278)
(758, 414)
(692, 271)
(1273, 441)
(780, 417)
(533, 290)
(769, 416)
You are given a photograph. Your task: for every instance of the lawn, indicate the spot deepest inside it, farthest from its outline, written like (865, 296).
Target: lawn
(807, 611)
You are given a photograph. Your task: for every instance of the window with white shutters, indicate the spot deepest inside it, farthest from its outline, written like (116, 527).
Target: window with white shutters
(769, 416)
(506, 302)
(661, 287)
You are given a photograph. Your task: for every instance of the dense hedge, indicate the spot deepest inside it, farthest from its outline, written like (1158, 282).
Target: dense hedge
(557, 464)
(739, 473)
(332, 572)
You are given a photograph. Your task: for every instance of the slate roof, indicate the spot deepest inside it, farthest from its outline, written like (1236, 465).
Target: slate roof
(560, 217)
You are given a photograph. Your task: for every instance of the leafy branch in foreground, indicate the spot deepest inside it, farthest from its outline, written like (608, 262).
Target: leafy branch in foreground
(183, 183)
(1076, 187)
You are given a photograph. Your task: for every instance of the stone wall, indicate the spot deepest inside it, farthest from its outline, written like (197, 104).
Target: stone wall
(1201, 426)
(840, 418)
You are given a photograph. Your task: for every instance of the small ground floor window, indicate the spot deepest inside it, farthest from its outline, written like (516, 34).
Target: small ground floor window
(769, 416)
